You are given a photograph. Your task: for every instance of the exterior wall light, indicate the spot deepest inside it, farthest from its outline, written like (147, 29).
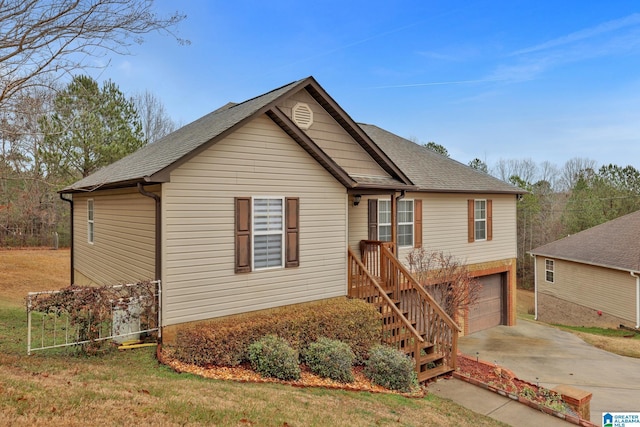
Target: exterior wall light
(356, 199)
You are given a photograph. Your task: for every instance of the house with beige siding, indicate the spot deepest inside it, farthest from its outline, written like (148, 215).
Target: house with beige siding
(591, 278)
(267, 203)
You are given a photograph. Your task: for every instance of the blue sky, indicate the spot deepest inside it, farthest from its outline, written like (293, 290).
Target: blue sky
(541, 80)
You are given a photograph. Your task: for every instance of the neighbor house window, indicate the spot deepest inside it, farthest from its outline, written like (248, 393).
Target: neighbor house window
(266, 233)
(480, 216)
(90, 222)
(405, 223)
(384, 220)
(548, 270)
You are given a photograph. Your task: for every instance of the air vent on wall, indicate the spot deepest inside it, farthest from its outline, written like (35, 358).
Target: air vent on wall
(302, 115)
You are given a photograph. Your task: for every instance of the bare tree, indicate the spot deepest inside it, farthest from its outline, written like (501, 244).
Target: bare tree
(156, 122)
(53, 38)
(446, 279)
(574, 169)
(525, 169)
(549, 173)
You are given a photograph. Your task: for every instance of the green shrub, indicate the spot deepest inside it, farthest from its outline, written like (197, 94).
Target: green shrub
(224, 341)
(391, 368)
(331, 359)
(272, 356)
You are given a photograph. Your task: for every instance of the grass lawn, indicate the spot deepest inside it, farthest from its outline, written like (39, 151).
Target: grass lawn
(130, 387)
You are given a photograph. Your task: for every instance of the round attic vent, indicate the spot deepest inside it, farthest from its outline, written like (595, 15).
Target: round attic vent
(302, 115)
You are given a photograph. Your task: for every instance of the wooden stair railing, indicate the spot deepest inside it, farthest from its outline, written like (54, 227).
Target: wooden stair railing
(412, 321)
(431, 320)
(397, 330)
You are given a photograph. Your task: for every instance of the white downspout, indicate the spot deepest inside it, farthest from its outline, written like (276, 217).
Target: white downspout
(535, 286)
(633, 274)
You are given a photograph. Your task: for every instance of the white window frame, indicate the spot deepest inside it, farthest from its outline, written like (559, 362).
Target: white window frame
(384, 224)
(91, 226)
(552, 264)
(479, 223)
(411, 223)
(256, 232)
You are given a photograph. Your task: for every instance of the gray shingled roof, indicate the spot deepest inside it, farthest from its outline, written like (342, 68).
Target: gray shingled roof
(428, 170)
(614, 244)
(155, 157)
(434, 172)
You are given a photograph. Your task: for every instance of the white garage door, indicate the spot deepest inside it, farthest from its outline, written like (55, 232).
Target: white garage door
(489, 310)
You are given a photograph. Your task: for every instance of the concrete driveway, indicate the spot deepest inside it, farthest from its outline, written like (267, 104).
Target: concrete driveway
(535, 352)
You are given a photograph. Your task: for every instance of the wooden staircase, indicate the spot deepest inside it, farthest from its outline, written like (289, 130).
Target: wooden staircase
(412, 321)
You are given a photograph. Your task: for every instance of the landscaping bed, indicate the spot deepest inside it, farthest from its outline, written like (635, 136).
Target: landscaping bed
(244, 373)
(502, 381)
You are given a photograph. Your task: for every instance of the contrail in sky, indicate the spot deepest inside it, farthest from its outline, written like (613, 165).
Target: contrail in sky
(458, 82)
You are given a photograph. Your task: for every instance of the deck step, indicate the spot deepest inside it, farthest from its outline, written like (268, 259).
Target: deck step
(434, 373)
(430, 358)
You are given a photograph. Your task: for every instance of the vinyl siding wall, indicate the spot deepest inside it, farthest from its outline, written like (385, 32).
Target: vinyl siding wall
(444, 226)
(124, 237)
(258, 159)
(611, 291)
(333, 139)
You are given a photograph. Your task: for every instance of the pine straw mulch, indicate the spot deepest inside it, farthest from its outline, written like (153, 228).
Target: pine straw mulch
(244, 373)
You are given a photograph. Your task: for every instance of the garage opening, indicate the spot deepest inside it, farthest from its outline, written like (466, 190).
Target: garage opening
(490, 310)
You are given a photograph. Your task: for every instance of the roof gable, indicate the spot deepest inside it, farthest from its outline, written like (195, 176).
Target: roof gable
(153, 162)
(613, 244)
(332, 137)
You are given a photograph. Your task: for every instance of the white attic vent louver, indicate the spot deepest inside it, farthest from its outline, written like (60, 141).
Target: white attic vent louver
(302, 115)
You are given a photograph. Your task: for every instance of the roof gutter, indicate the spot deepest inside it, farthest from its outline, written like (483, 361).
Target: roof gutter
(70, 201)
(634, 274)
(158, 236)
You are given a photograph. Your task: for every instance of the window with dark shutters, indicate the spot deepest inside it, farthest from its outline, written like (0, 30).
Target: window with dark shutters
(374, 222)
(486, 222)
(265, 226)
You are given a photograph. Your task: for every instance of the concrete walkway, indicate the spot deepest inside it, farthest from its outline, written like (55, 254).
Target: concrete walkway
(539, 353)
(493, 405)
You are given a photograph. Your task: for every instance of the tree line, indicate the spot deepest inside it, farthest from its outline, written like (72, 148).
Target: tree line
(52, 133)
(51, 138)
(565, 200)
(560, 200)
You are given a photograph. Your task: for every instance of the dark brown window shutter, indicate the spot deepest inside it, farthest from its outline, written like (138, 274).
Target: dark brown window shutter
(292, 224)
(373, 219)
(489, 219)
(243, 234)
(470, 218)
(417, 223)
